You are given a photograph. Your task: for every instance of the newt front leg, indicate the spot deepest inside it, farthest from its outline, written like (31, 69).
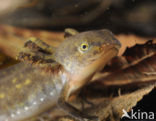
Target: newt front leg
(64, 104)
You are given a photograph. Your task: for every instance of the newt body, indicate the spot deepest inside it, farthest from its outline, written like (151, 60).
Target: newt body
(54, 75)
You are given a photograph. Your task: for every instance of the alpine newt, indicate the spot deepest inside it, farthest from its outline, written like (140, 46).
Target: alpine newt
(51, 75)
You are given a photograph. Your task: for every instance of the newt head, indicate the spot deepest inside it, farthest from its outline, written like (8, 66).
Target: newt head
(83, 54)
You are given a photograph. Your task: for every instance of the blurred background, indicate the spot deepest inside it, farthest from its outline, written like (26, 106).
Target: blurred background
(120, 16)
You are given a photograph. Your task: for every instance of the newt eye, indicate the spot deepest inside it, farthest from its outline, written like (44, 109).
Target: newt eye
(84, 46)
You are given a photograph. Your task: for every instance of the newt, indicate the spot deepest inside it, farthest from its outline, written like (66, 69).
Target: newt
(51, 75)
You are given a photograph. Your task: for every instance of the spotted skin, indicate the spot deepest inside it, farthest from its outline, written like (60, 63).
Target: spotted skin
(21, 93)
(49, 75)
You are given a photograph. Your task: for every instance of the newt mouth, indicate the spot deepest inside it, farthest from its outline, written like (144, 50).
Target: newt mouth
(106, 52)
(106, 48)
(106, 55)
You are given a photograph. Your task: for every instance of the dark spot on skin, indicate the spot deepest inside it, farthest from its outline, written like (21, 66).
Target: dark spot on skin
(75, 49)
(37, 58)
(49, 61)
(67, 35)
(41, 59)
(45, 52)
(97, 44)
(95, 52)
(28, 43)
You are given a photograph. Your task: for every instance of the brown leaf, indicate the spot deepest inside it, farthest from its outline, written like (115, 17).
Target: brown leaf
(128, 41)
(113, 110)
